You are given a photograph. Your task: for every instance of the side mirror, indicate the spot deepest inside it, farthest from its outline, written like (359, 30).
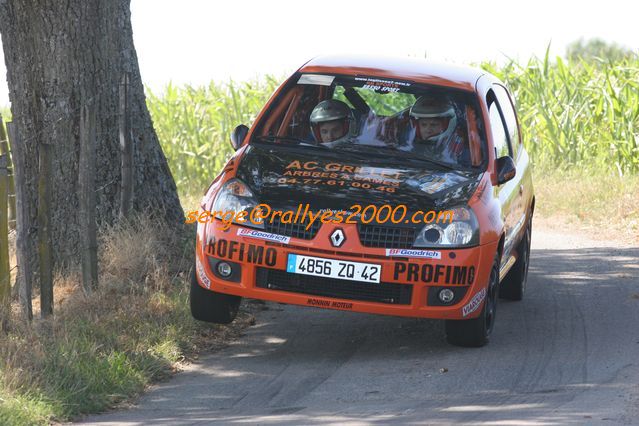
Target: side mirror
(237, 136)
(505, 169)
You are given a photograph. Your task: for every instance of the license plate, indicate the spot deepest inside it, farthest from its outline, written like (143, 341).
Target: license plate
(333, 268)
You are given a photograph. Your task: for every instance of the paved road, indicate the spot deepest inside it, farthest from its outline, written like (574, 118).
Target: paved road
(567, 354)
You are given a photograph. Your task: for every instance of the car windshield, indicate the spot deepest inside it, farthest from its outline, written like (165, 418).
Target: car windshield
(378, 117)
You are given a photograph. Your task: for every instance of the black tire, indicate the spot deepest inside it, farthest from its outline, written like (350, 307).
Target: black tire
(476, 332)
(210, 306)
(513, 286)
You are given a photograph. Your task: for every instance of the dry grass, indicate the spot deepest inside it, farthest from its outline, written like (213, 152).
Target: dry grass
(191, 201)
(141, 251)
(602, 205)
(102, 349)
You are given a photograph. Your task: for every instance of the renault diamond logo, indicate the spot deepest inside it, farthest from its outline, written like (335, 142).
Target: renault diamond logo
(338, 237)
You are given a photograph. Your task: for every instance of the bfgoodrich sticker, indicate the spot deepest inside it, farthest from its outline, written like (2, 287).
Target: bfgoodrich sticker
(245, 232)
(474, 302)
(428, 254)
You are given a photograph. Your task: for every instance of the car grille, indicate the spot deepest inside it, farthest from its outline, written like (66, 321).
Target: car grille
(386, 236)
(396, 294)
(295, 230)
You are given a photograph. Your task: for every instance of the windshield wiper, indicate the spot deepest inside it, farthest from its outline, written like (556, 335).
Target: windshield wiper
(292, 139)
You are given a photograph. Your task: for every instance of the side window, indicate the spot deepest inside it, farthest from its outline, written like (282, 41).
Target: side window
(509, 116)
(499, 131)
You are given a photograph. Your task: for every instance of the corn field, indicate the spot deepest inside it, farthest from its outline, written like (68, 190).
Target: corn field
(194, 125)
(583, 114)
(573, 115)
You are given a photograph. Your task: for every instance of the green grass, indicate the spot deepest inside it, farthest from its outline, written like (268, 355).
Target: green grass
(24, 409)
(104, 349)
(88, 364)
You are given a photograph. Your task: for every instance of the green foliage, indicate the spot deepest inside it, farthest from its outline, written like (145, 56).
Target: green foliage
(194, 125)
(597, 50)
(388, 103)
(577, 115)
(5, 112)
(24, 410)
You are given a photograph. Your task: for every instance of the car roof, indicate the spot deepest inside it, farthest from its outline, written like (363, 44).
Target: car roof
(401, 68)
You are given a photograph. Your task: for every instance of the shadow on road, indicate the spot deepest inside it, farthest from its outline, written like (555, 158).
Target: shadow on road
(567, 354)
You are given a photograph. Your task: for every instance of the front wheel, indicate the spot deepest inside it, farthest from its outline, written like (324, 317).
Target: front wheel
(211, 306)
(476, 332)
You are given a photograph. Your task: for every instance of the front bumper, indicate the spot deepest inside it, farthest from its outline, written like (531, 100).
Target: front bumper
(408, 285)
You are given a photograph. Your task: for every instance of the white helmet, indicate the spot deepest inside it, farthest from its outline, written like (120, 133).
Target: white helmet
(332, 110)
(428, 107)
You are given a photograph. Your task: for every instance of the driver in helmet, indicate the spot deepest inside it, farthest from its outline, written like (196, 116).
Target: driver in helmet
(435, 125)
(331, 120)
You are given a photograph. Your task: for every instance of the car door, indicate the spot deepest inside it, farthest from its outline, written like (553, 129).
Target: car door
(523, 176)
(509, 193)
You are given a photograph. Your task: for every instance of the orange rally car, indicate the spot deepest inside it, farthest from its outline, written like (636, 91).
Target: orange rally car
(345, 133)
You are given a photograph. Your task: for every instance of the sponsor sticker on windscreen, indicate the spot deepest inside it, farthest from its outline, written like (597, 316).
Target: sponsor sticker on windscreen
(316, 79)
(427, 254)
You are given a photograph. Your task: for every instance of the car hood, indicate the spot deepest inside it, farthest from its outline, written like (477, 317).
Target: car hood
(286, 176)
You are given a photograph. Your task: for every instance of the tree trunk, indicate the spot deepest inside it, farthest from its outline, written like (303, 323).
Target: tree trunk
(58, 53)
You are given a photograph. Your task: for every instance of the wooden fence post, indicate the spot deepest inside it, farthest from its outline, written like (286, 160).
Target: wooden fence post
(86, 183)
(5, 268)
(44, 230)
(23, 256)
(4, 149)
(126, 148)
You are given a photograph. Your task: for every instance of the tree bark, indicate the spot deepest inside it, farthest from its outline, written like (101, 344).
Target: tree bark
(56, 54)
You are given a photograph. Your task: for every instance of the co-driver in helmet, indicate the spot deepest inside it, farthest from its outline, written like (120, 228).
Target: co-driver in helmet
(435, 125)
(331, 121)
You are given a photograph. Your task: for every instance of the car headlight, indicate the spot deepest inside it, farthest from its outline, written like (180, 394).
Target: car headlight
(235, 196)
(463, 230)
